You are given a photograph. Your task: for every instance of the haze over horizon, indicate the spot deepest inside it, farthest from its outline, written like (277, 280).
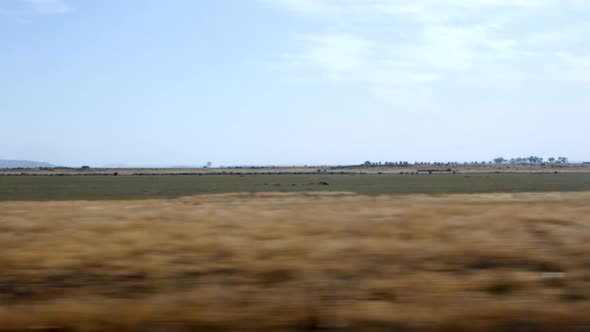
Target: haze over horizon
(284, 82)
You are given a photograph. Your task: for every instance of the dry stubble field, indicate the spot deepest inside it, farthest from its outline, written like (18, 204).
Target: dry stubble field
(298, 262)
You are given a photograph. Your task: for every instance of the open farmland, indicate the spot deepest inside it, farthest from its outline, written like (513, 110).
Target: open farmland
(76, 187)
(298, 262)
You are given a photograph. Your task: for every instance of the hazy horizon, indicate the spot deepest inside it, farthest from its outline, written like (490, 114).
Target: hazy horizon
(293, 82)
(120, 165)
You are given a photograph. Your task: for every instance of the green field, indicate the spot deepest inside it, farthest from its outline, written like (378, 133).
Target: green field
(138, 187)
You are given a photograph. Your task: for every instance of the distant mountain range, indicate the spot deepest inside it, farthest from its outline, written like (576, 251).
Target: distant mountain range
(23, 164)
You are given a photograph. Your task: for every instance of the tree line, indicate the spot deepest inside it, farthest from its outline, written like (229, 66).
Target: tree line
(532, 160)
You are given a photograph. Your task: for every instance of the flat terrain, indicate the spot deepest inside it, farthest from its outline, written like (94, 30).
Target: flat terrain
(298, 262)
(284, 170)
(171, 186)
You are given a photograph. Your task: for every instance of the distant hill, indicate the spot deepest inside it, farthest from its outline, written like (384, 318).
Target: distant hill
(23, 164)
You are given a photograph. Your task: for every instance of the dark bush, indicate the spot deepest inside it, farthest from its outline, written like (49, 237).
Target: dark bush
(500, 288)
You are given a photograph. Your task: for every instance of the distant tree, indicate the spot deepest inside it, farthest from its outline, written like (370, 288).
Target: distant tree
(85, 167)
(367, 163)
(499, 160)
(563, 160)
(534, 160)
(208, 165)
(551, 160)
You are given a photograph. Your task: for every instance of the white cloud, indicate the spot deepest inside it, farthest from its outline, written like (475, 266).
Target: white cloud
(426, 10)
(50, 6)
(406, 45)
(334, 52)
(309, 7)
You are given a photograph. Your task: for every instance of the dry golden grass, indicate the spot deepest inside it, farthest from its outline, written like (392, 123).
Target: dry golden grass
(296, 262)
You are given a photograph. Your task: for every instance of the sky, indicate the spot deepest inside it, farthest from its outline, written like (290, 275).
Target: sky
(293, 82)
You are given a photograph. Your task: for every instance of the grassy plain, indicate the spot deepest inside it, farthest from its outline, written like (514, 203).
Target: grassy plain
(458, 168)
(298, 262)
(170, 186)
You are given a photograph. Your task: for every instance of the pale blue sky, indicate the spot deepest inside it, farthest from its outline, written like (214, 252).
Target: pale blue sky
(183, 82)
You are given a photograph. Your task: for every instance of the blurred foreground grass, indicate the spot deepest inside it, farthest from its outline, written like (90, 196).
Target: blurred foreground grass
(298, 262)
